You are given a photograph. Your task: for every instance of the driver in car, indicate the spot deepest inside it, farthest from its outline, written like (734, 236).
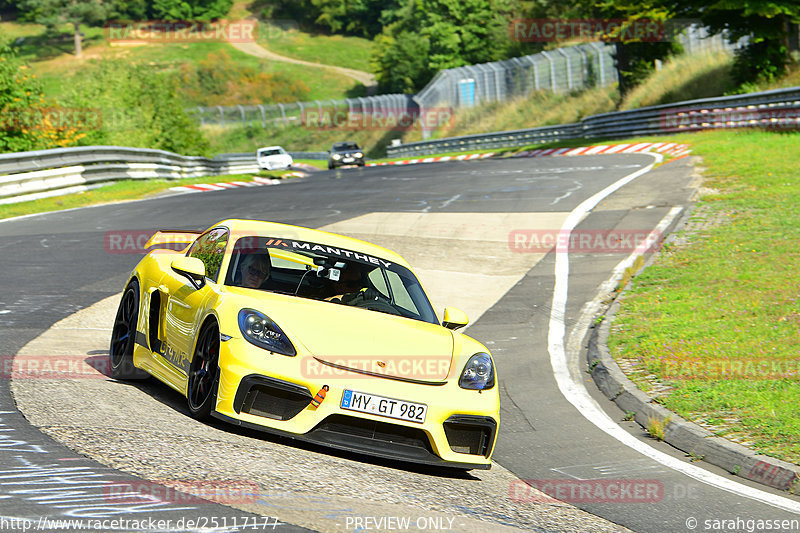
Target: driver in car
(350, 283)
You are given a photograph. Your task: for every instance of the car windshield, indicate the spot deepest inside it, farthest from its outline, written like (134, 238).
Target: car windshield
(271, 151)
(336, 275)
(345, 146)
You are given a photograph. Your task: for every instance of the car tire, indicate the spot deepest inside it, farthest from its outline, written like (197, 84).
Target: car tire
(123, 336)
(361, 164)
(331, 166)
(201, 387)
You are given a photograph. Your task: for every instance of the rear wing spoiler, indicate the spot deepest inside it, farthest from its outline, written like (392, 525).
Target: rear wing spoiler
(166, 239)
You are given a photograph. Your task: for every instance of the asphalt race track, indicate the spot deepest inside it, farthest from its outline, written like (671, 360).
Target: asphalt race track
(468, 228)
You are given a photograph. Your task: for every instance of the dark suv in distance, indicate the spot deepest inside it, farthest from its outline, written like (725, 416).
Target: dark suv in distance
(345, 153)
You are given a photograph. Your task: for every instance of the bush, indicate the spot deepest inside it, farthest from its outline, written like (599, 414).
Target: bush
(139, 108)
(28, 121)
(218, 80)
(759, 62)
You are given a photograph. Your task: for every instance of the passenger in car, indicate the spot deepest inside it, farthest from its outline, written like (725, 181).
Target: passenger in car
(253, 271)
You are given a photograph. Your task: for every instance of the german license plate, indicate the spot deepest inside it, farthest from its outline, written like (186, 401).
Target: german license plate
(381, 406)
(348, 159)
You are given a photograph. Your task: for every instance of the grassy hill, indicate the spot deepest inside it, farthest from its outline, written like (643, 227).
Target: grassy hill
(51, 55)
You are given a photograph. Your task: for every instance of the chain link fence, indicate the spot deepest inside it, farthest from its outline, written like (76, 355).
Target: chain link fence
(559, 70)
(325, 112)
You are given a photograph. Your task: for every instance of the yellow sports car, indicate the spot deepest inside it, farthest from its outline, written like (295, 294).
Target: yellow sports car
(311, 335)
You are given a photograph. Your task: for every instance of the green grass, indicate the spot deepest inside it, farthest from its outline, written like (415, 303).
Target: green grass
(322, 84)
(34, 43)
(119, 191)
(541, 108)
(337, 50)
(51, 56)
(10, 31)
(685, 77)
(729, 297)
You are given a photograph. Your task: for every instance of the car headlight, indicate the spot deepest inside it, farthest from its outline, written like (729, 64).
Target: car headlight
(259, 329)
(359, 154)
(337, 156)
(478, 373)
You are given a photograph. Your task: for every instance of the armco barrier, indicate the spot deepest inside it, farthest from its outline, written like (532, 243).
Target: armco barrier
(32, 175)
(779, 109)
(43, 173)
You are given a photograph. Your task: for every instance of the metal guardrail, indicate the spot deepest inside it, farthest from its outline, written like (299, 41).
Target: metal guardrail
(251, 156)
(309, 155)
(40, 174)
(769, 109)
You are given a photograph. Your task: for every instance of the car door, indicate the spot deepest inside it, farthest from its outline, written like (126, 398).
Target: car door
(185, 303)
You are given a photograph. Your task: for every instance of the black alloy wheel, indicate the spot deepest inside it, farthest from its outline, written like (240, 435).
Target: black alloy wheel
(123, 336)
(204, 373)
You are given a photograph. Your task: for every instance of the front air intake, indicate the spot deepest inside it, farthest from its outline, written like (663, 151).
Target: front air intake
(271, 398)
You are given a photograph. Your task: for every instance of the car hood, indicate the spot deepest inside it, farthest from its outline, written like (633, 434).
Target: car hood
(365, 341)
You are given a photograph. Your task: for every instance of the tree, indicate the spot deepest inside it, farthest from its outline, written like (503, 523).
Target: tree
(766, 23)
(634, 57)
(75, 12)
(356, 17)
(128, 9)
(432, 35)
(203, 10)
(400, 61)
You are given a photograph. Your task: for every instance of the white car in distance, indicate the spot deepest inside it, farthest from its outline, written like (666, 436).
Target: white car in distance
(273, 158)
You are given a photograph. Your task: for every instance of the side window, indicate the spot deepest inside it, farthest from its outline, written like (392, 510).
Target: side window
(210, 249)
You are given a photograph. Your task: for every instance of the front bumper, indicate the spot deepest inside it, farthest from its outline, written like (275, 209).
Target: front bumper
(460, 427)
(346, 159)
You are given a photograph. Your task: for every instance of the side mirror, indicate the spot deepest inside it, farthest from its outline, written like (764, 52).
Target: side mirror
(191, 268)
(454, 318)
